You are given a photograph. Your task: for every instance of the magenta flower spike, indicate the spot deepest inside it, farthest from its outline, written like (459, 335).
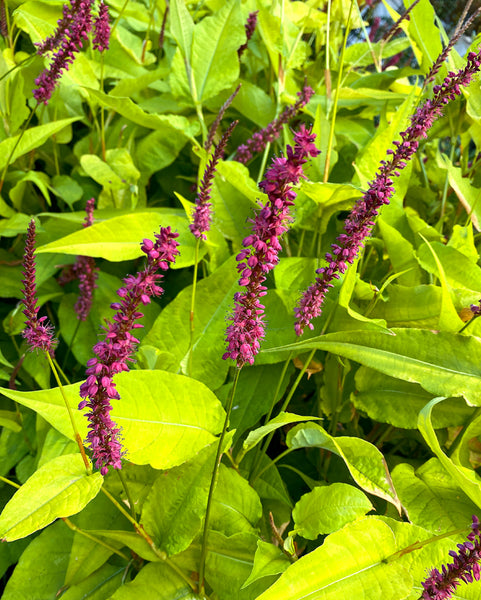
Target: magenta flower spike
(102, 29)
(116, 350)
(68, 39)
(359, 223)
(260, 139)
(202, 215)
(249, 27)
(38, 332)
(261, 248)
(440, 585)
(85, 270)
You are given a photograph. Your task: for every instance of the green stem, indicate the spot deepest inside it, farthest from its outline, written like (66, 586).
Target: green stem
(89, 536)
(459, 437)
(78, 439)
(272, 462)
(69, 349)
(213, 482)
(466, 325)
(254, 476)
(66, 379)
(102, 113)
(15, 146)
(119, 16)
(255, 460)
(127, 492)
(12, 483)
(192, 308)
(336, 98)
(419, 545)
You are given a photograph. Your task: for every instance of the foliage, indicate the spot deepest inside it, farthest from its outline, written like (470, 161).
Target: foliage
(343, 461)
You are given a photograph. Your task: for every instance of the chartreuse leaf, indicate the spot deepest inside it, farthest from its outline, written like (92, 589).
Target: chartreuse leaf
(236, 506)
(165, 418)
(175, 507)
(54, 544)
(328, 508)
(268, 560)
(443, 363)
(398, 402)
(432, 498)
(156, 580)
(181, 26)
(468, 195)
(214, 51)
(365, 462)
(350, 563)
(448, 317)
(283, 418)
(168, 340)
(120, 238)
(132, 540)
(58, 489)
(467, 479)
(32, 138)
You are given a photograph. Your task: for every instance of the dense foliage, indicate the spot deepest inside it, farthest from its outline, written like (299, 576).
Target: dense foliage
(240, 347)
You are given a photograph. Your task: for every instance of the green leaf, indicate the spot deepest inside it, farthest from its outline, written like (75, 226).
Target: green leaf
(328, 508)
(120, 238)
(467, 479)
(415, 355)
(97, 586)
(181, 26)
(156, 580)
(398, 402)
(168, 340)
(31, 139)
(365, 462)
(361, 572)
(431, 498)
(58, 489)
(130, 539)
(165, 418)
(468, 195)
(37, 19)
(236, 506)
(175, 507)
(214, 51)
(268, 560)
(55, 542)
(401, 254)
(283, 418)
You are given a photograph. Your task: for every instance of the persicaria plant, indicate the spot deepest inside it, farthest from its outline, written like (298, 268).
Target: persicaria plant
(241, 353)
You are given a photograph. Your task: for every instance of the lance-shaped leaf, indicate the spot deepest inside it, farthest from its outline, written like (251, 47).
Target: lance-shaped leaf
(365, 462)
(58, 489)
(467, 479)
(443, 363)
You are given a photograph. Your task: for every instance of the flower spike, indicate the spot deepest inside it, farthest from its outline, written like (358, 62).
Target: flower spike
(117, 348)
(261, 248)
(38, 331)
(359, 223)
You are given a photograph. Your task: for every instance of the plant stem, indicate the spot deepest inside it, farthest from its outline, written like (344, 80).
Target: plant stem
(127, 491)
(12, 483)
(78, 439)
(255, 460)
(192, 308)
(336, 98)
(69, 349)
(254, 476)
(272, 462)
(102, 114)
(89, 536)
(213, 481)
(119, 16)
